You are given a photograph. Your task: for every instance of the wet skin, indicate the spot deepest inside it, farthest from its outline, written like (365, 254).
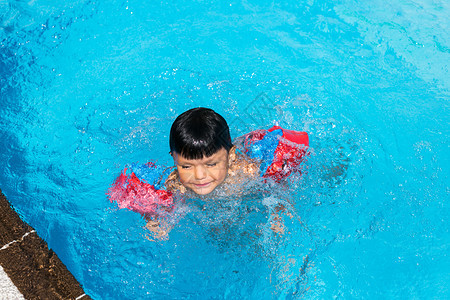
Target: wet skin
(203, 175)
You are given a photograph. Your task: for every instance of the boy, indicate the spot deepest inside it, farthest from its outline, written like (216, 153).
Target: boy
(205, 158)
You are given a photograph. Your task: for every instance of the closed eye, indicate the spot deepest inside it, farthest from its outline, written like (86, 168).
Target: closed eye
(211, 164)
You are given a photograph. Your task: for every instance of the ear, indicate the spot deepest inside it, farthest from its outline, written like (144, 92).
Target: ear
(232, 155)
(173, 154)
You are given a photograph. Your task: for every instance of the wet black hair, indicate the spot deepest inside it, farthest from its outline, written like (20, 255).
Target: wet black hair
(199, 132)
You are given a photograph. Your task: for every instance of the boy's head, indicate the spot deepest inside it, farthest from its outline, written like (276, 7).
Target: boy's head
(199, 143)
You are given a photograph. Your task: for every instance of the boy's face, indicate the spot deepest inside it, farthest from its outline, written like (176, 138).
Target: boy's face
(202, 175)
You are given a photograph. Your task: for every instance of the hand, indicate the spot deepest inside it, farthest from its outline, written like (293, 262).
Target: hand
(276, 224)
(159, 231)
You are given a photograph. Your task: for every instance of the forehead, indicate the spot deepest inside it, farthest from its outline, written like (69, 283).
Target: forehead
(222, 154)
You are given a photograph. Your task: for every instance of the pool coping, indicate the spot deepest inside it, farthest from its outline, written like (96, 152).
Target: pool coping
(33, 268)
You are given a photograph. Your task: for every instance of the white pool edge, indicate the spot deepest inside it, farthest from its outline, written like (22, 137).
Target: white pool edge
(7, 288)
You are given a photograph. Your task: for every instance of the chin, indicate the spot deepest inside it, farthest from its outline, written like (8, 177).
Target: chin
(203, 192)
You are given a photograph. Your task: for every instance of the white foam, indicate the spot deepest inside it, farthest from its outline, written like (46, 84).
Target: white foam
(7, 289)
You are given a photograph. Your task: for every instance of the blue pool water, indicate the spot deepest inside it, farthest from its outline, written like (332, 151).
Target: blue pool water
(89, 86)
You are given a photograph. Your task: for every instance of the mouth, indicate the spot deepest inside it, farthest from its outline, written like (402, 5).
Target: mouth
(203, 185)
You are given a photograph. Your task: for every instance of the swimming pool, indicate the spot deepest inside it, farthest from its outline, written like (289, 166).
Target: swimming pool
(89, 86)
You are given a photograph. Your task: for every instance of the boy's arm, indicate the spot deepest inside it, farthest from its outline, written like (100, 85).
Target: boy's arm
(159, 227)
(242, 163)
(276, 223)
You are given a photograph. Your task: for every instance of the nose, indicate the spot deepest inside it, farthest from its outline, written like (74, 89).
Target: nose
(199, 172)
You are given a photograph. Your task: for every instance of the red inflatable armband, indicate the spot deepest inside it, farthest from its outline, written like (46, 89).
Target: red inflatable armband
(137, 195)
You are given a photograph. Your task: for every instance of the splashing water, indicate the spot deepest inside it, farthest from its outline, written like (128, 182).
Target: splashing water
(89, 87)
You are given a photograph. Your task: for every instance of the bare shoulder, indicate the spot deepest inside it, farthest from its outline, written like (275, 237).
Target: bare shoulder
(173, 183)
(240, 163)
